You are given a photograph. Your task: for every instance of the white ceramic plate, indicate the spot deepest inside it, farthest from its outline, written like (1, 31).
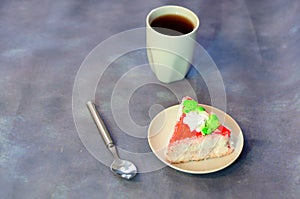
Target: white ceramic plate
(161, 129)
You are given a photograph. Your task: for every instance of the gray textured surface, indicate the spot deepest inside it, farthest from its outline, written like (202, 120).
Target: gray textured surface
(255, 45)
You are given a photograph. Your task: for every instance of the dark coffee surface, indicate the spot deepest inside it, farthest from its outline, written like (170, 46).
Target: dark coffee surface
(172, 25)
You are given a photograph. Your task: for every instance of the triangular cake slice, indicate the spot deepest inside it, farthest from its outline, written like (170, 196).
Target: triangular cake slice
(198, 135)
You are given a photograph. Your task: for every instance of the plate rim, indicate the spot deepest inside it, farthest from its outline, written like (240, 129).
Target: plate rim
(238, 152)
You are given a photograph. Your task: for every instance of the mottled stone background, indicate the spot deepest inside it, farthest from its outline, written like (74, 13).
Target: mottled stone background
(255, 44)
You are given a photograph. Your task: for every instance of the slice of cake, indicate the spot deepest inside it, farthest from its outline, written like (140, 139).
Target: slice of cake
(198, 135)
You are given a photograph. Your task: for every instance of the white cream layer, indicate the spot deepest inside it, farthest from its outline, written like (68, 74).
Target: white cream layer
(195, 120)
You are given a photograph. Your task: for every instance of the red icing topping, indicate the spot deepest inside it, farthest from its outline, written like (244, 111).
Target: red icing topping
(182, 131)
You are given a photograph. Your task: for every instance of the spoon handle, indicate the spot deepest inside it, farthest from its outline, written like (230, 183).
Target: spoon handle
(100, 125)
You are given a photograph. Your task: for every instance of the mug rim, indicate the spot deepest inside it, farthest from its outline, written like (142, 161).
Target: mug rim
(176, 7)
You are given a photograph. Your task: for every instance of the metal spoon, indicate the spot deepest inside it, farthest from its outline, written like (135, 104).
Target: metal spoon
(122, 168)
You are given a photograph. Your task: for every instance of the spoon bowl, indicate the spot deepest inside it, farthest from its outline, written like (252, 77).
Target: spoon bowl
(123, 168)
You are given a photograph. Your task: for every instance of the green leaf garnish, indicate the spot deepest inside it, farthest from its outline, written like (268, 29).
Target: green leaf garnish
(200, 109)
(206, 131)
(189, 105)
(211, 124)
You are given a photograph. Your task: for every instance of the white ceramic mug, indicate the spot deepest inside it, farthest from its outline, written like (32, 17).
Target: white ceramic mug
(170, 56)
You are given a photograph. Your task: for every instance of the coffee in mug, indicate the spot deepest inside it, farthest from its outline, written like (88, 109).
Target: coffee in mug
(172, 24)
